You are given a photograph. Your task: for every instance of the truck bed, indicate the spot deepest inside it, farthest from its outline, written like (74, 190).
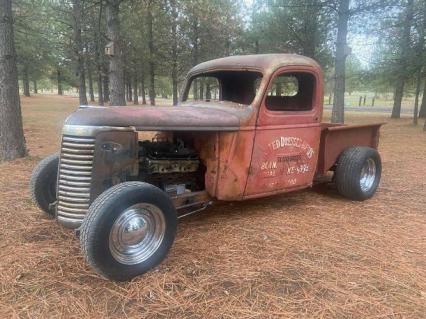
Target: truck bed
(335, 138)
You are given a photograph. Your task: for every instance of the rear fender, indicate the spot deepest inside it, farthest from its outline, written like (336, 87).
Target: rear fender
(335, 138)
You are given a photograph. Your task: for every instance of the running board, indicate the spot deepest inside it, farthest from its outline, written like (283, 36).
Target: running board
(191, 203)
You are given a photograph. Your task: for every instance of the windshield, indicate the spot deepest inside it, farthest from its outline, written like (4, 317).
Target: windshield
(234, 86)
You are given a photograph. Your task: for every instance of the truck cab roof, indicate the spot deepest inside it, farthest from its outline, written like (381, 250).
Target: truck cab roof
(264, 63)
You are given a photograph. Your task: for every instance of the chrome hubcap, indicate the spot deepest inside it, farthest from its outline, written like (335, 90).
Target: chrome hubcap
(368, 175)
(137, 233)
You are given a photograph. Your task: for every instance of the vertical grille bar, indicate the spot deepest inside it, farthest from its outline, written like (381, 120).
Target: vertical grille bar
(75, 176)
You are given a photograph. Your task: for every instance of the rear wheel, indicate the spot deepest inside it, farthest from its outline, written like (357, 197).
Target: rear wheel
(358, 173)
(128, 230)
(43, 184)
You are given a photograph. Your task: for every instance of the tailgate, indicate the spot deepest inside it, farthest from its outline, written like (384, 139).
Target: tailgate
(335, 138)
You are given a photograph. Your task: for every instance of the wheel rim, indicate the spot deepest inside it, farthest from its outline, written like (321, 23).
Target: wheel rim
(137, 233)
(368, 175)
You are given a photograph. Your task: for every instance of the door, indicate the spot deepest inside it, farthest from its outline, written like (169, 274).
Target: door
(287, 133)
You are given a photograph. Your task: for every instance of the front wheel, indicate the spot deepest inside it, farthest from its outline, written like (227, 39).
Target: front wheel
(358, 172)
(43, 184)
(128, 230)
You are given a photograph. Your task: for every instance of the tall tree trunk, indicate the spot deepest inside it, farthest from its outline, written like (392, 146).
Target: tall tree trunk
(256, 46)
(416, 100)
(397, 97)
(116, 76)
(422, 113)
(89, 74)
(174, 52)
(135, 88)
(151, 56)
(201, 89)
(310, 36)
(143, 94)
(26, 80)
(78, 51)
(175, 86)
(402, 72)
(12, 141)
(208, 91)
(338, 113)
(142, 70)
(35, 86)
(126, 84)
(125, 78)
(106, 83)
(59, 81)
(129, 88)
(195, 53)
(421, 48)
(126, 91)
(279, 89)
(420, 54)
(99, 55)
(227, 46)
(100, 90)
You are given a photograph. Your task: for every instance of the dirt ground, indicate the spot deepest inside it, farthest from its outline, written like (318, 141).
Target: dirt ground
(310, 254)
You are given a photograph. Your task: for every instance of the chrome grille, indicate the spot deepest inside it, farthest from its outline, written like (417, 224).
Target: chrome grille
(75, 176)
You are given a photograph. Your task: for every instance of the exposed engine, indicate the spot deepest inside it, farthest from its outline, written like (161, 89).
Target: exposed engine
(167, 157)
(173, 166)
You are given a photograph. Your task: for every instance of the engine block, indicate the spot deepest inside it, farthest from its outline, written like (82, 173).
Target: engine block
(162, 157)
(163, 166)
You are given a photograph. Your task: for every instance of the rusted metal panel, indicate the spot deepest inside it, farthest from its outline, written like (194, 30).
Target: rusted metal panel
(207, 146)
(286, 145)
(264, 63)
(235, 151)
(283, 159)
(336, 138)
(245, 113)
(159, 118)
(226, 156)
(116, 156)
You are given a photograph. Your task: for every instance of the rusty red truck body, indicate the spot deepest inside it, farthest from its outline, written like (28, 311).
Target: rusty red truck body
(246, 127)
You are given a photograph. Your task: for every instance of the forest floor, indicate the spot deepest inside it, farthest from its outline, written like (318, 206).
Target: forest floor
(310, 254)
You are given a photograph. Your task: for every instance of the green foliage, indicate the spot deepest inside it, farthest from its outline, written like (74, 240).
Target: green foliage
(206, 29)
(388, 52)
(291, 27)
(43, 39)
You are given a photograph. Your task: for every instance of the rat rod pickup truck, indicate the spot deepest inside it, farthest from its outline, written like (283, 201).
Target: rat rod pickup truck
(246, 127)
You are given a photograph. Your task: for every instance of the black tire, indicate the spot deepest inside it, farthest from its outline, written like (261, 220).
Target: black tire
(43, 184)
(349, 172)
(103, 214)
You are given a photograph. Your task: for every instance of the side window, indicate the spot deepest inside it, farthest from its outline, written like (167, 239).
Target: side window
(291, 92)
(204, 88)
